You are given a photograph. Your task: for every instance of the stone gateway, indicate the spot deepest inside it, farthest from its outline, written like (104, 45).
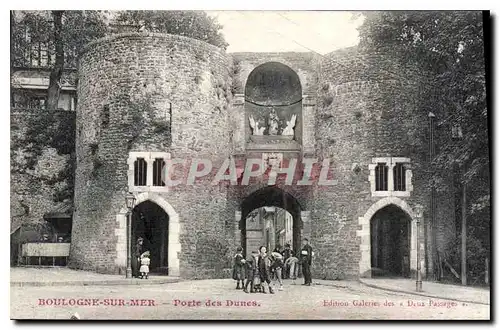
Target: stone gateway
(146, 98)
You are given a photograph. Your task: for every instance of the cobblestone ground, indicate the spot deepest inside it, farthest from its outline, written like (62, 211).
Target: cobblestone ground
(217, 299)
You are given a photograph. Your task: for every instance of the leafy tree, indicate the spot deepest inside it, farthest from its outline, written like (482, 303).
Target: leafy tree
(449, 46)
(193, 24)
(53, 39)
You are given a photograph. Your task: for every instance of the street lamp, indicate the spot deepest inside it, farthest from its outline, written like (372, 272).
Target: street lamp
(129, 201)
(418, 214)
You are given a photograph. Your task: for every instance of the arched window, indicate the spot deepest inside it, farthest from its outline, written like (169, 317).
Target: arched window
(381, 177)
(140, 172)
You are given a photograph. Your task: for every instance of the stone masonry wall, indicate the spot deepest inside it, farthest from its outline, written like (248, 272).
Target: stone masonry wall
(361, 114)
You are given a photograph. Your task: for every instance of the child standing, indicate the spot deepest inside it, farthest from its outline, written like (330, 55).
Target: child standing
(264, 265)
(239, 268)
(145, 261)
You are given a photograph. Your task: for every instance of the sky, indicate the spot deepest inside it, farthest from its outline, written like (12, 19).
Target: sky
(288, 31)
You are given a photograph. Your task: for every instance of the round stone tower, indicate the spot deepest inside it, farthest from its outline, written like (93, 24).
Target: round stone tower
(376, 140)
(143, 99)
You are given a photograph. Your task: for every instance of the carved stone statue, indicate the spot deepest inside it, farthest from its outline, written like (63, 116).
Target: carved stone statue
(290, 124)
(256, 130)
(273, 123)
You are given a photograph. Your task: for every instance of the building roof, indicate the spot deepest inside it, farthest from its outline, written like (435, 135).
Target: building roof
(39, 78)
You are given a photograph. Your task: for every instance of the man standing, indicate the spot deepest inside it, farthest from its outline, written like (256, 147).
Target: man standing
(287, 253)
(306, 259)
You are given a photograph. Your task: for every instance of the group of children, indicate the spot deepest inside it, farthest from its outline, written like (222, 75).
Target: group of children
(258, 269)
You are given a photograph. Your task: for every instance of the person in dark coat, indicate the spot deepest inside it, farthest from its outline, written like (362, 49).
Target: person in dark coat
(239, 268)
(252, 272)
(264, 266)
(306, 259)
(136, 257)
(286, 253)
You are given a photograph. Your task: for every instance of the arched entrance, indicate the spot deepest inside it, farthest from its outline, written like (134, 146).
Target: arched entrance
(173, 230)
(390, 237)
(364, 233)
(275, 214)
(150, 222)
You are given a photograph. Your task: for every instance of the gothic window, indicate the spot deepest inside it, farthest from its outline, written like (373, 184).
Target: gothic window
(145, 171)
(399, 177)
(390, 176)
(140, 172)
(381, 177)
(158, 165)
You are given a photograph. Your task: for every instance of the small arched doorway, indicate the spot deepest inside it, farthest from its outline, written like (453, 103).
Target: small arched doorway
(151, 222)
(270, 205)
(390, 236)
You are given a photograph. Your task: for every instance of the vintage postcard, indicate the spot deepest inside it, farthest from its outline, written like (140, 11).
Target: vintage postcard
(250, 165)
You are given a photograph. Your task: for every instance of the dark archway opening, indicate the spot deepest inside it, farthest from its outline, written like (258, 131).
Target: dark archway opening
(150, 222)
(273, 84)
(390, 230)
(271, 204)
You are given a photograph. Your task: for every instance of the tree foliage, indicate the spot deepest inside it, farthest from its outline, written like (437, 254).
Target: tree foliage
(193, 24)
(33, 38)
(53, 39)
(448, 45)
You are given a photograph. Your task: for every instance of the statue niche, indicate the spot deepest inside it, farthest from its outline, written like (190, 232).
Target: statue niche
(273, 109)
(273, 125)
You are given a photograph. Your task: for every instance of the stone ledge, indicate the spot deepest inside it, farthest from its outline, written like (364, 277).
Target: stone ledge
(142, 35)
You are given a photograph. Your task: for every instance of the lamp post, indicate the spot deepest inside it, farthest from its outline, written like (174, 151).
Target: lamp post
(130, 201)
(418, 214)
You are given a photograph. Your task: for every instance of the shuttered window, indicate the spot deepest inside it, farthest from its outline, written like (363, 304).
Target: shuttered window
(140, 172)
(158, 166)
(381, 174)
(399, 177)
